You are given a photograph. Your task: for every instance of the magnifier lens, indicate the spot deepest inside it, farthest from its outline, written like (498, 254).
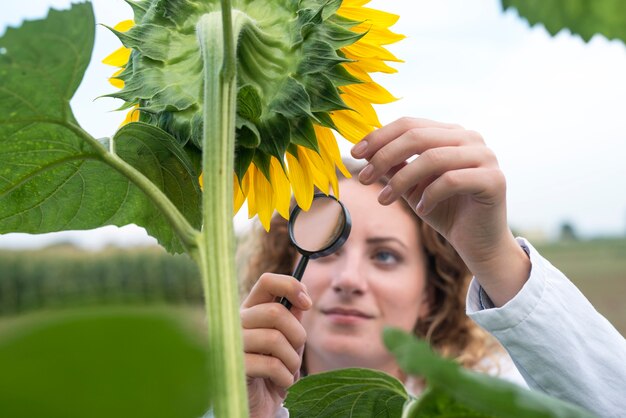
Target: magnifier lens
(320, 226)
(318, 232)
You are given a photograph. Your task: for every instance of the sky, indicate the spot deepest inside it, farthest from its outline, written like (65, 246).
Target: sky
(552, 108)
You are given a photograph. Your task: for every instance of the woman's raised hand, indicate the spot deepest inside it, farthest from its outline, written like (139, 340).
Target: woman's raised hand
(453, 182)
(273, 340)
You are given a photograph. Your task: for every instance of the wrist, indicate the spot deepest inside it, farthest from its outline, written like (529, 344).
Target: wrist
(503, 274)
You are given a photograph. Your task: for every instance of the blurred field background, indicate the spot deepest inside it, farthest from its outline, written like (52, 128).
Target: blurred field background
(120, 333)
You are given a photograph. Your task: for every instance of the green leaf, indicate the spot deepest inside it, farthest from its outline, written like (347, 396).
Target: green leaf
(115, 361)
(477, 392)
(247, 133)
(275, 136)
(321, 58)
(583, 17)
(436, 403)
(249, 104)
(157, 155)
(41, 66)
(323, 94)
(262, 162)
(303, 133)
(338, 36)
(243, 158)
(347, 393)
(53, 175)
(292, 101)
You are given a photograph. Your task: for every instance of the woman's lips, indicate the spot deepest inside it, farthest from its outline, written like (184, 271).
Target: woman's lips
(345, 316)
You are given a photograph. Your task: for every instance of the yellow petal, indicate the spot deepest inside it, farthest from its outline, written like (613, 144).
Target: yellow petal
(282, 188)
(329, 149)
(364, 49)
(264, 199)
(124, 25)
(238, 196)
(364, 14)
(354, 69)
(118, 58)
(316, 167)
(250, 192)
(355, 3)
(376, 34)
(131, 116)
(372, 92)
(329, 157)
(363, 108)
(116, 82)
(301, 182)
(371, 65)
(350, 125)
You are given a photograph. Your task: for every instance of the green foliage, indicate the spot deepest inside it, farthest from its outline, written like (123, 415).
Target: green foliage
(583, 17)
(64, 277)
(53, 175)
(453, 387)
(451, 391)
(102, 363)
(348, 393)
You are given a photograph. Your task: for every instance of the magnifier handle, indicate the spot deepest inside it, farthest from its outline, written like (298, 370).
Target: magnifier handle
(297, 273)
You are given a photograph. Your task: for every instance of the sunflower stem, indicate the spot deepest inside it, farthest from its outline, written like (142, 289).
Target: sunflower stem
(216, 243)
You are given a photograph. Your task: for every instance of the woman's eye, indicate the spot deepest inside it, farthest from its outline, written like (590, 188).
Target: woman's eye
(386, 257)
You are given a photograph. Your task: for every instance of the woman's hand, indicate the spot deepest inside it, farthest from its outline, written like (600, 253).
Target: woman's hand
(456, 186)
(273, 340)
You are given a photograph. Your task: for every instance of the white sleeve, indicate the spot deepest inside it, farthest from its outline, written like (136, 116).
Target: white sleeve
(558, 341)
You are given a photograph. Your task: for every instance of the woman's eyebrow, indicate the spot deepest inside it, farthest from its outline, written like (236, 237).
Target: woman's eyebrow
(379, 240)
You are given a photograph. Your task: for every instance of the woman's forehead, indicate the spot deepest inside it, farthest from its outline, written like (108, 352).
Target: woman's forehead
(372, 218)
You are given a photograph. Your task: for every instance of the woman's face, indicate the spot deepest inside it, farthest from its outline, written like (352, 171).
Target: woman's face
(375, 280)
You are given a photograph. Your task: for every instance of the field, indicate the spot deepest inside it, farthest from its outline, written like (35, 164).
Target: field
(598, 268)
(144, 355)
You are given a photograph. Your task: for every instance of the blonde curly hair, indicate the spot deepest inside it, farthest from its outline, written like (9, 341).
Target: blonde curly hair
(447, 328)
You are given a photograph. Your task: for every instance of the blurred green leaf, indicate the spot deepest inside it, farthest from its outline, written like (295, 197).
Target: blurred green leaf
(455, 388)
(103, 363)
(347, 393)
(582, 17)
(52, 174)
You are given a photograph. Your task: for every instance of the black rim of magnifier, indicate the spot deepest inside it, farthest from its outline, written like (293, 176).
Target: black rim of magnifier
(335, 244)
(331, 248)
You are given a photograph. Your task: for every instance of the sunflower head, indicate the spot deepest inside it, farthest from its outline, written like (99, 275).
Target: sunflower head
(302, 70)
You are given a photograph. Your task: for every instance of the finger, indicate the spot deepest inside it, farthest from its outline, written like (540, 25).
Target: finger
(276, 316)
(271, 343)
(271, 286)
(484, 184)
(388, 133)
(268, 367)
(382, 157)
(432, 164)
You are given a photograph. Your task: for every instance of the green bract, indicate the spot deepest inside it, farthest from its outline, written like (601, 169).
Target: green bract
(287, 71)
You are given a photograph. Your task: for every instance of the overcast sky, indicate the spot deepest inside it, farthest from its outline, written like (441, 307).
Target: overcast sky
(553, 109)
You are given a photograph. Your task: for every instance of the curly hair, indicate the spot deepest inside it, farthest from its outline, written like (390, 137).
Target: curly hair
(447, 328)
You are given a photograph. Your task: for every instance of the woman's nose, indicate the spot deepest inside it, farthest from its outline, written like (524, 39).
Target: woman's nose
(348, 278)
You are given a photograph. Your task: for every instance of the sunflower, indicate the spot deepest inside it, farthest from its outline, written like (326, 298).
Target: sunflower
(303, 72)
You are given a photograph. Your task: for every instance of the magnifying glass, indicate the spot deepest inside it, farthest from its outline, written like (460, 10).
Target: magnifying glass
(318, 232)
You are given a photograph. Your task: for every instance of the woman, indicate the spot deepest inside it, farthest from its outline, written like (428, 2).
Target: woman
(415, 238)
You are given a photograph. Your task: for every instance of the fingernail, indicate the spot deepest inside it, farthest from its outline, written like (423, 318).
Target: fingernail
(359, 149)
(366, 173)
(304, 299)
(420, 208)
(385, 195)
